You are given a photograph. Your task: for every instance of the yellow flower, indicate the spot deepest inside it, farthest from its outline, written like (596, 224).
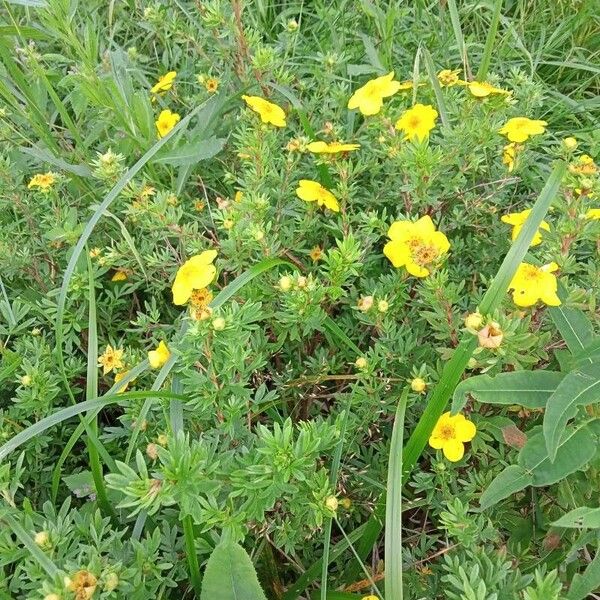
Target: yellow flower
(199, 304)
(517, 220)
(157, 358)
(509, 155)
(369, 98)
(43, 181)
(268, 112)
(415, 245)
(166, 121)
(194, 274)
(120, 275)
(450, 434)
(83, 584)
(316, 253)
(211, 85)
(531, 283)
(164, 83)
(418, 385)
(585, 165)
(593, 214)
(111, 359)
(481, 89)
(570, 143)
(95, 252)
(311, 191)
(519, 129)
(120, 376)
(417, 121)
(331, 148)
(449, 77)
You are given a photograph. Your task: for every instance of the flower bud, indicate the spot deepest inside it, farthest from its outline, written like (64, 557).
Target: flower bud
(365, 303)
(474, 321)
(490, 336)
(111, 581)
(382, 306)
(42, 539)
(52, 597)
(360, 362)
(36, 331)
(332, 503)
(418, 385)
(346, 503)
(162, 440)
(285, 283)
(218, 324)
(26, 380)
(227, 224)
(152, 451)
(302, 281)
(570, 143)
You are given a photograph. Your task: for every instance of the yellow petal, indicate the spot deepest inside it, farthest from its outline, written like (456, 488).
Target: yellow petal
(436, 442)
(454, 450)
(425, 225)
(416, 270)
(465, 430)
(397, 252)
(399, 230)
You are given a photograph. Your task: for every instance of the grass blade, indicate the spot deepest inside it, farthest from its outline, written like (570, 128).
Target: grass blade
(486, 59)
(393, 516)
(437, 89)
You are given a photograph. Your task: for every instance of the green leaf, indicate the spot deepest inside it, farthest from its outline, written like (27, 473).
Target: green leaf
(587, 582)
(583, 517)
(230, 575)
(193, 152)
(530, 389)
(574, 326)
(576, 448)
(577, 388)
(510, 481)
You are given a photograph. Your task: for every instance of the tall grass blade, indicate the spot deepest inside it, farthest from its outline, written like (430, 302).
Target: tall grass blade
(437, 89)
(489, 42)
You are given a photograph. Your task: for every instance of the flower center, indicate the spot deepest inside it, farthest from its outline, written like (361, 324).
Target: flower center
(414, 122)
(422, 252)
(447, 432)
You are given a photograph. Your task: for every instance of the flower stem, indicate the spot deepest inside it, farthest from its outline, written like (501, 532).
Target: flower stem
(192, 555)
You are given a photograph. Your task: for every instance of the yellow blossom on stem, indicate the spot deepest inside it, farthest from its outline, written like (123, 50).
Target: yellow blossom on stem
(517, 220)
(449, 77)
(585, 165)
(531, 283)
(509, 155)
(119, 377)
(42, 181)
(164, 83)
(593, 214)
(520, 129)
(268, 111)
(111, 359)
(313, 191)
(450, 435)
(331, 147)
(417, 122)
(166, 121)
(157, 358)
(316, 253)
(415, 245)
(368, 99)
(482, 89)
(211, 85)
(195, 274)
(120, 275)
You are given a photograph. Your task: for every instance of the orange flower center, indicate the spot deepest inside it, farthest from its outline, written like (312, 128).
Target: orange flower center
(447, 432)
(414, 122)
(421, 252)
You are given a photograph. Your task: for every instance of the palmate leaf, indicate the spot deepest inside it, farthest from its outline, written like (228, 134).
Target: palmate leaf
(530, 389)
(230, 575)
(578, 388)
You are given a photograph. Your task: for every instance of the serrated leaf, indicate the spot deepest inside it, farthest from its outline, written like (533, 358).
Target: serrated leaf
(583, 517)
(530, 389)
(193, 152)
(510, 481)
(576, 448)
(230, 575)
(578, 388)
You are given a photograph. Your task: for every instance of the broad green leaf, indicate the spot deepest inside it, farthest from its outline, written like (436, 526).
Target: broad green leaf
(587, 582)
(576, 448)
(193, 152)
(590, 354)
(583, 517)
(510, 481)
(230, 575)
(577, 388)
(530, 389)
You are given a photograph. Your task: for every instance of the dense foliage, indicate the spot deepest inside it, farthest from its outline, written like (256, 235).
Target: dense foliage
(236, 236)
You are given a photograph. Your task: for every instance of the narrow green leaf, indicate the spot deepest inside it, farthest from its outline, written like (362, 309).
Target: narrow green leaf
(334, 329)
(578, 388)
(486, 59)
(510, 481)
(230, 575)
(583, 517)
(437, 89)
(530, 389)
(573, 325)
(393, 514)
